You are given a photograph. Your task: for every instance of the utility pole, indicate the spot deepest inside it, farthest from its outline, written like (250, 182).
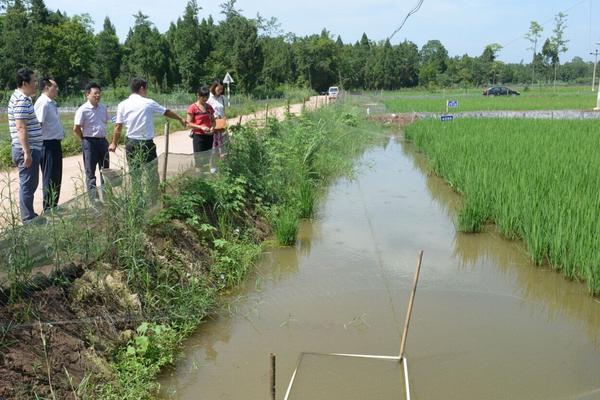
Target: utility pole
(595, 54)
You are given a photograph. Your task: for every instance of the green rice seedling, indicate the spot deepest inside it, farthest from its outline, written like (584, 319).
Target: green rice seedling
(537, 180)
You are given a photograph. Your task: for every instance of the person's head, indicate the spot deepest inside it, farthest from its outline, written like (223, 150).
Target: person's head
(216, 88)
(93, 92)
(139, 86)
(26, 81)
(49, 87)
(202, 94)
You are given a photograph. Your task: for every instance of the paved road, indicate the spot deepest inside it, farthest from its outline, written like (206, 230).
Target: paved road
(73, 178)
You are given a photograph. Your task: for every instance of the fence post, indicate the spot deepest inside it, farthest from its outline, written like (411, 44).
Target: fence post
(273, 390)
(166, 151)
(267, 115)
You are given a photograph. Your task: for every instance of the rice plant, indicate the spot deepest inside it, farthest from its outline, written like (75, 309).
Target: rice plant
(537, 180)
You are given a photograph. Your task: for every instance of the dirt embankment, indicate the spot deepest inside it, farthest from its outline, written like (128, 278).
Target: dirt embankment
(56, 342)
(397, 119)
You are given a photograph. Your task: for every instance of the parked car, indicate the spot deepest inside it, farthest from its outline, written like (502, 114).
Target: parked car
(500, 91)
(332, 93)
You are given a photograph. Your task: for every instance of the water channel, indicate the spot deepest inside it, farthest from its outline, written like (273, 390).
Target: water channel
(487, 324)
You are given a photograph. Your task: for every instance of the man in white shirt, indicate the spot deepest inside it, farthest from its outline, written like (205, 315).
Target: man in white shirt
(51, 163)
(90, 127)
(137, 114)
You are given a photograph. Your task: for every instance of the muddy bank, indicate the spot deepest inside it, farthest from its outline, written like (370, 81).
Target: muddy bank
(58, 341)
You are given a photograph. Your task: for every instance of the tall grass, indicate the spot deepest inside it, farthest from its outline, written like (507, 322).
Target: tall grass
(537, 180)
(284, 164)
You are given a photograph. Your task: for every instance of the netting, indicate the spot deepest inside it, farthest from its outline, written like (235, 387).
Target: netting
(29, 253)
(335, 377)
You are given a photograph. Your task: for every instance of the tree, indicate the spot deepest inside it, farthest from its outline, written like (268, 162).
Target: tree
(70, 47)
(558, 41)
(433, 52)
(108, 54)
(488, 58)
(187, 43)
(147, 51)
(228, 9)
(317, 61)
(17, 42)
(533, 35)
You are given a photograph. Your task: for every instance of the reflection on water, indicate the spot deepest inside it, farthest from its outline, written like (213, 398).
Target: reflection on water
(487, 323)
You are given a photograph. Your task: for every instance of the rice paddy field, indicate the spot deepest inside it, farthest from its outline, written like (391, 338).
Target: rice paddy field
(533, 98)
(537, 180)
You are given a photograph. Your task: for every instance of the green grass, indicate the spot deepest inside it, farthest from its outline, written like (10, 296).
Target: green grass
(534, 98)
(537, 180)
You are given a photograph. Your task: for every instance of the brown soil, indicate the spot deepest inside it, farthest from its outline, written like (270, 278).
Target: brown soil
(45, 346)
(62, 333)
(398, 119)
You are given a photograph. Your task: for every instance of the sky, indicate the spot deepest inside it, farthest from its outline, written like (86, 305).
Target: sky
(463, 26)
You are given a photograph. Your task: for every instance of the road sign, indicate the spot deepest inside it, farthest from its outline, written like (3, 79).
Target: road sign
(228, 79)
(452, 103)
(445, 118)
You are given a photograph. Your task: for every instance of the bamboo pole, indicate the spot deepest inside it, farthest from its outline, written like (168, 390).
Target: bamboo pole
(166, 151)
(273, 389)
(410, 307)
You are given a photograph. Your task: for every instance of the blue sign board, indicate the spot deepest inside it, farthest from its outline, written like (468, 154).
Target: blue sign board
(452, 103)
(445, 118)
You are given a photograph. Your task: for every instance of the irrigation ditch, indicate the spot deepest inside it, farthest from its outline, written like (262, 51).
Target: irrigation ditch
(128, 285)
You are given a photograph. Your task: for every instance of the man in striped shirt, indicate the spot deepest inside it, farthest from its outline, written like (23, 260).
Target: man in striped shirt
(26, 140)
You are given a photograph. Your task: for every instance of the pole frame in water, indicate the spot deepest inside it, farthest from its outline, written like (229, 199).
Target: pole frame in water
(410, 307)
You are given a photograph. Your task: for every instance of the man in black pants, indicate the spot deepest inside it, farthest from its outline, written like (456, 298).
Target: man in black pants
(46, 111)
(136, 113)
(90, 126)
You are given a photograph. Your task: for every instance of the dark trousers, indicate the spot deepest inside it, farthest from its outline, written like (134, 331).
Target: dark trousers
(52, 166)
(95, 154)
(141, 158)
(201, 143)
(28, 181)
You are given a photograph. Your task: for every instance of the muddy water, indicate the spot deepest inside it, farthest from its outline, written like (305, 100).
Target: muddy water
(487, 324)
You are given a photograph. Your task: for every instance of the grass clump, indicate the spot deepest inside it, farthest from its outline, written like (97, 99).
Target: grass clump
(536, 180)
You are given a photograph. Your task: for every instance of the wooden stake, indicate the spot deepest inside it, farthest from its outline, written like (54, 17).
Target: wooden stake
(410, 307)
(166, 151)
(273, 390)
(267, 114)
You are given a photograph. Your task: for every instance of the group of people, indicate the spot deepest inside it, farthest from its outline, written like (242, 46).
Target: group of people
(36, 133)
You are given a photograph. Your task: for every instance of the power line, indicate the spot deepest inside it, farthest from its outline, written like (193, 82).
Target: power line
(544, 23)
(413, 11)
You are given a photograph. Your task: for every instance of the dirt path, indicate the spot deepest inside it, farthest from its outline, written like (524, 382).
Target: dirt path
(73, 182)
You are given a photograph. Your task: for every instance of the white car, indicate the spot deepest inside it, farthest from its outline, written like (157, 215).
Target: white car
(332, 92)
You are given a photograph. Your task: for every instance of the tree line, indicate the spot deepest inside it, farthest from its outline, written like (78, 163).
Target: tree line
(258, 54)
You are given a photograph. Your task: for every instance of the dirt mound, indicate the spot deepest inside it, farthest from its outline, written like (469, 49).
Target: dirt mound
(399, 119)
(50, 341)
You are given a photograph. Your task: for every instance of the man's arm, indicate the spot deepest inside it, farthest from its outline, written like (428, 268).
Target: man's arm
(78, 132)
(116, 135)
(22, 132)
(172, 115)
